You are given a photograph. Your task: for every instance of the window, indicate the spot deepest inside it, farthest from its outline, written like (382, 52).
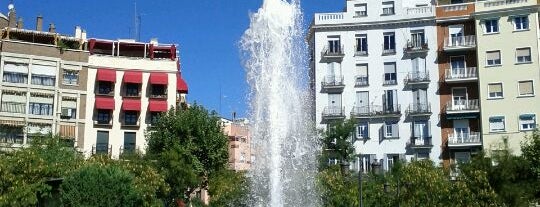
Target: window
(334, 45)
(13, 102)
(44, 80)
(15, 72)
(69, 113)
(154, 117)
(527, 122)
(523, 55)
(130, 117)
(130, 142)
(360, 10)
(391, 160)
(521, 23)
(495, 90)
(362, 131)
(388, 8)
(390, 76)
(496, 124)
(132, 89)
(103, 116)
(491, 26)
(493, 57)
(391, 130)
(102, 143)
(158, 90)
(361, 45)
(526, 88)
(422, 156)
(417, 39)
(44, 109)
(71, 77)
(362, 79)
(389, 45)
(105, 88)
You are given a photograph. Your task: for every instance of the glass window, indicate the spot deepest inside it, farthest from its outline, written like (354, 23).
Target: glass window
(154, 117)
(158, 90)
(360, 10)
(71, 77)
(390, 75)
(361, 44)
(132, 89)
(496, 123)
(41, 109)
(493, 57)
(14, 77)
(105, 87)
(417, 39)
(527, 122)
(130, 141)
(130, 117)
(389, 42)
(102, 142)
(69, 113)
(362, 131)
(334, 44)
(526, 88)
(521, 23)
(491, 26)
(103, 116)
(43, 80)
(523, 55)
(495, 90)
(391, 130)
(388, 7)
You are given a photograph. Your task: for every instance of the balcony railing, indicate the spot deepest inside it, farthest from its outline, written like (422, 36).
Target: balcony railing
(389, 81)
(416, 47)
(361, 80)
(333, 112)
(423, 142)
(461, 42)
(388, 51)
(376, 111)
(419, 109)
(158, 96)
(13, 107)
(332, 81)
(467, 138)
(6, 138)
(105, 149)
(462, 106)
(334, 52)
(360, 52)
(417, 78)
(461, 74)
(420, 10)
(125, 150)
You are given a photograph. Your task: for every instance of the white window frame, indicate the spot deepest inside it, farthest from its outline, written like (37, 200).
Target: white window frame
(358, 10)
(486, 27)
(74, 71)
(526, 95)
(385, 6)
(521, 25)
(495, 64)
(503, 123)
(359, 129)
(530, 55)
(495, 97)
(530, 126)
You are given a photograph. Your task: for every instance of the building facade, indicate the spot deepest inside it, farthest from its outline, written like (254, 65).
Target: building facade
(239, 143)
(376, 63)
(507, 36)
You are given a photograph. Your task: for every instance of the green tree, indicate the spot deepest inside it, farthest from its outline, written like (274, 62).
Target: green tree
(337, 142)
(188, 142)
(24, 172)
(530, 149)
(228, 188)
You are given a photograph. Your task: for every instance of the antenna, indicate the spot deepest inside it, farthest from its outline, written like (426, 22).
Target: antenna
(136, 23)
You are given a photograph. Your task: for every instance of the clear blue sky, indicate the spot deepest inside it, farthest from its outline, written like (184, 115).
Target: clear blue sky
(206, 30)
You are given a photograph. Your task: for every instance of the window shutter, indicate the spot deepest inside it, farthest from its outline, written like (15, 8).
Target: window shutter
(395, 130)
(362, 69)
(523, 52)
(493, 55)
(428, 128)
(526, 87)
(389, 67)
(495, 88)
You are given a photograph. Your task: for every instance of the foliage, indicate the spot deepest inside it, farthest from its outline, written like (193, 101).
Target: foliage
(189, 147)
(531, 151)
(337, 142)
(24, 172)
(228, 188)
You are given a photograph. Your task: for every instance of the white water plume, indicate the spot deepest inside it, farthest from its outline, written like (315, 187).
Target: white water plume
(283, 139)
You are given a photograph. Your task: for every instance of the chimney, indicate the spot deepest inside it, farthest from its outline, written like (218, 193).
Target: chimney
(12, 16)
(83, 35)
(20, 23)
(78, 32)
(52, 28)
(39, 23)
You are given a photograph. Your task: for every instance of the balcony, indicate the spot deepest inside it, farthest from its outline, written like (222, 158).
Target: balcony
(461, 75)
(389, 51)
(333, 84)
(361, 81)
(462, 106)
(13, 107)
(420, 143)
(451, 11)
(360, 52)
(102, 149)
(416, 78)
(503, 4)
(421, 109)
(460, 43)
(333, 113)
(464, 140)
(416, 48)
(129, 150)
(333, 53)
(376, 111)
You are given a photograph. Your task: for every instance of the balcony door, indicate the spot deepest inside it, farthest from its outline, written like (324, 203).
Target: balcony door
(102, 142)
(421, 131)
(334, 45)
(456, 34)
(457, 66)
(362, 101)
(420, 99)
(459, 98)
(461, 130)
(417, 38)
(418, 67)
(334, 103)
(390, 100)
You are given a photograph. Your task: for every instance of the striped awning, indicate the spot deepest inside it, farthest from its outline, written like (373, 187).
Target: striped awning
(12, 123)
(67, 131)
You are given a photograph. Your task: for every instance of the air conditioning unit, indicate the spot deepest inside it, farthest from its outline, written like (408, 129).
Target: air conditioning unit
(66, 113)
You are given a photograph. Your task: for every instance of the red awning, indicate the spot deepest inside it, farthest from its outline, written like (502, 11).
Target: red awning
(131, 105)
(159, 78)
(132, 77)
(158, 106)
(105, 103)
(181, 85)
(106, 75)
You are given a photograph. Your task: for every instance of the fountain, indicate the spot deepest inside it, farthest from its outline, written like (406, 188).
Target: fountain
(283, 139)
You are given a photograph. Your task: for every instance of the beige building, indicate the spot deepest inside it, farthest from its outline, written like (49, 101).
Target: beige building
(508, 65)
(43, 85)
(239, 143)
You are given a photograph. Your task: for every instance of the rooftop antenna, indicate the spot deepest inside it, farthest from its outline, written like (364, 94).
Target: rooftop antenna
(137, 24)
(11, 6)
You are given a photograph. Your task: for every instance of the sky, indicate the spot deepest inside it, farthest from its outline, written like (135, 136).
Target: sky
(207, 31)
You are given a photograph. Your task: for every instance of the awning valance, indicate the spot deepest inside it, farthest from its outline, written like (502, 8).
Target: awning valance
(105, 103)
(132, 77)
(131, 105)
(158, 106)
(181, 85)
(159, 78)
(108, 75)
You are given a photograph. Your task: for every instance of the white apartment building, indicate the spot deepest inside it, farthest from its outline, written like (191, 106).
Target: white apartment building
(129, 84)
(376, 63)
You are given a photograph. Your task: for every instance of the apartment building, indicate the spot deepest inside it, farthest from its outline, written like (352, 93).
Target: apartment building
(507, 36)
(129, 84)
(237, 131)
(458, 81)
(43, 85)
(376, 63)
